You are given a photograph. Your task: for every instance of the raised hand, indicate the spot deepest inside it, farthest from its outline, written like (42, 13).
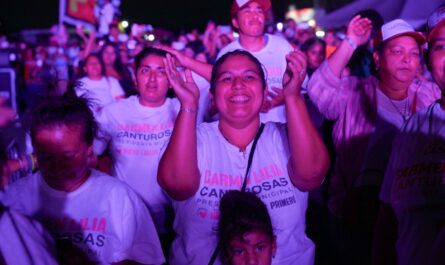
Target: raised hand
(273, 99)
(295, 73)
(186, 90)
(359, 30)
(180, 57)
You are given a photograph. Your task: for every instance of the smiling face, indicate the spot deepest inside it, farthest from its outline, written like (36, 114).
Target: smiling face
(152, 82)
(238, 89)
(93, 68)
(250, 20)
(399, 60)
(254, 248)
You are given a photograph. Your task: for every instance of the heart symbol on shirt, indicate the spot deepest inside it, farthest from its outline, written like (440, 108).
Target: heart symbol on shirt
(202, 213)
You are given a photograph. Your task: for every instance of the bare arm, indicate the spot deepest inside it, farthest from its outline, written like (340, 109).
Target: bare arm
(309, 161)
(89, 45)
(385, 236)
(201, 68)
(359, 30)
(178, 170)
(81, 34)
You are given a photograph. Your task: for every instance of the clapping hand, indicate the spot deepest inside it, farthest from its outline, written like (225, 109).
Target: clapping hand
(186, 90)
(273, 99)
(295, 73)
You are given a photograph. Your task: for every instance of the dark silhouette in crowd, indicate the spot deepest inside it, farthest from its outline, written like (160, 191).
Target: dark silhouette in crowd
(368, 113)
(410, 225)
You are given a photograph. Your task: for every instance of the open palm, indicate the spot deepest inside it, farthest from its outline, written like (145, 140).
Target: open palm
(185, 88)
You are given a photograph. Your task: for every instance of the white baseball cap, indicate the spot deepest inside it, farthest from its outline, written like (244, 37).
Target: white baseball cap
(397, 28)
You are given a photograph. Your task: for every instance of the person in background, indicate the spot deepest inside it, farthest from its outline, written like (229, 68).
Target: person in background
(361, 63)
(412, 212)
(315, 50)
(249, 18)
(245, 230)
(114, 67)
(367, 114)
(89, 214)
(96, 85)
(135, 129)
(317, 221)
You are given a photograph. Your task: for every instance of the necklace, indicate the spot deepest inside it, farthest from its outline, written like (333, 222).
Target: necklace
(405, 113)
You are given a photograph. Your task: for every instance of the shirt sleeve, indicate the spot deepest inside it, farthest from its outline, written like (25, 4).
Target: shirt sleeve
(426, 93)
(330, 93)
(103, 135)
(116, 88)
(139, 239)
(27, 241)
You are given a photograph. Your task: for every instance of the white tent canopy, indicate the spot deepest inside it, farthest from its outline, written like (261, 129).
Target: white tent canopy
(414, 12)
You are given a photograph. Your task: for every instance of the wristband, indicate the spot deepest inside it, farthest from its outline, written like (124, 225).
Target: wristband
(350, 42)
(188, 110)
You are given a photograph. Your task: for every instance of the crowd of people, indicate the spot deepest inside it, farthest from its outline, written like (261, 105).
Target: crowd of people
(271, 147)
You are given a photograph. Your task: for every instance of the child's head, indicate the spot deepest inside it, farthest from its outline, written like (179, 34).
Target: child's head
(245, 230)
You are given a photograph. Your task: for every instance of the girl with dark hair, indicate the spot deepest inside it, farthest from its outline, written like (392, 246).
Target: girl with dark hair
(96, 85)
(114, 67)
(315, 50)
(245, 230)
(201, 163)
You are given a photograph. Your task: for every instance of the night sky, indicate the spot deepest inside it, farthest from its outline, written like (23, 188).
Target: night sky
(176, 15)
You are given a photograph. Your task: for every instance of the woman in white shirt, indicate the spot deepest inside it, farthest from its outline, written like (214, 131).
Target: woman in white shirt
(95, 85)
(201, 164)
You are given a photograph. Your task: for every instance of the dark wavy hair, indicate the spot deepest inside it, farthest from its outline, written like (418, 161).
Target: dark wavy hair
(241, 212)
(66, 110)
(82, 72)
(311, 42)
(117, 65)
(222, 59)
(147, 52)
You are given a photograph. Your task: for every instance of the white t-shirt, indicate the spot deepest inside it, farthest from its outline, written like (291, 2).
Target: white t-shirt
(204, 97)
(102, 92)
(414, 184)
(273, 58)
(222, 167)
(103, 217)
(24, 240)
(136, 134)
